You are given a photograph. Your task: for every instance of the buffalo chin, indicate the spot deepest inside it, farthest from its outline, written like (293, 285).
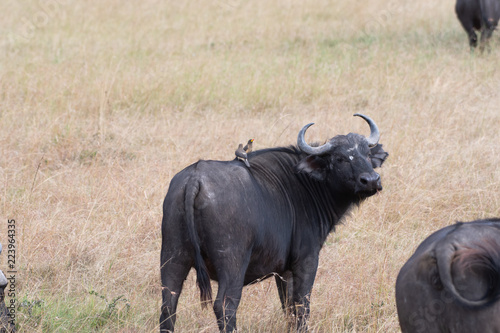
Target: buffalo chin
(363, 194)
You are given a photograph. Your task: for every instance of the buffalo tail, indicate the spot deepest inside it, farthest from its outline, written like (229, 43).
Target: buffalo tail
(202, 277)
(485, 254)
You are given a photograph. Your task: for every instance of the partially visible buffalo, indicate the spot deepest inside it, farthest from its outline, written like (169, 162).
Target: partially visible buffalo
(481, 15)
(452, 281)
(237, 225)
(5, 324)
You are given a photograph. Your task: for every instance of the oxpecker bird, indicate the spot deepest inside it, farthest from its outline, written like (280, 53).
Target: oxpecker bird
(241, 155)
(248, 146)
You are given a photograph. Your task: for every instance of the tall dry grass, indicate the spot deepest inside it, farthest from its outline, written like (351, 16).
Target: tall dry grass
(101, 103)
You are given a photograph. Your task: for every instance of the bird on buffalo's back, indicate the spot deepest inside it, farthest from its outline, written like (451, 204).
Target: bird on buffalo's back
(248, 146)
(242, 155)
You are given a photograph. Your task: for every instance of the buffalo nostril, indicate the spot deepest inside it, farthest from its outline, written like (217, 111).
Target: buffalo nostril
(369, 181)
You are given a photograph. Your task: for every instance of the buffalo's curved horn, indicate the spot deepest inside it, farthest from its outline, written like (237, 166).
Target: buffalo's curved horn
(303, 146)
(375, 134)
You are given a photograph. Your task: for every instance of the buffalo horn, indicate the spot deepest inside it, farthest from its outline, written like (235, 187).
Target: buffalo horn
(303, 146)
(375, 134)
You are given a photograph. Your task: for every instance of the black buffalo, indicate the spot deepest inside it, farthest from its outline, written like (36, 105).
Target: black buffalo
(481, 15)
(237, 225)
(452, 281)
(5, 322)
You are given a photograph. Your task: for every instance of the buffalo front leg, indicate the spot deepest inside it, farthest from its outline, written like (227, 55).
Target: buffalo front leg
(304, 273)
(172, 279)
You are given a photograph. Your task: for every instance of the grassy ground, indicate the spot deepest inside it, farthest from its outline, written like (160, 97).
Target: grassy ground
(102, 102)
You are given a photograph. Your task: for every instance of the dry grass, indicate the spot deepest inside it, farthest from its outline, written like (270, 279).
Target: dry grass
(101, 103)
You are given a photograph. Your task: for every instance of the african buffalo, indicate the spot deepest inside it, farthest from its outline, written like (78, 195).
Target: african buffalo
(4, 317)
(5, 325)
(452, 281)
(480, 15)
(238, 225)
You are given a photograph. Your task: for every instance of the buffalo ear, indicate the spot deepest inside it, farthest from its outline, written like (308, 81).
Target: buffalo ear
(315, 166)
(378, 156)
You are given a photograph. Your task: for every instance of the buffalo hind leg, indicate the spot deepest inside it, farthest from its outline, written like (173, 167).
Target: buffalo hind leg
(472, 39)
(172, 279)
(284, 283)
(226, 303)
(467, 23)
(486, 33)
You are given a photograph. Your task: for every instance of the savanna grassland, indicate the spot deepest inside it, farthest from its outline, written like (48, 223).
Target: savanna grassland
(102, 102)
